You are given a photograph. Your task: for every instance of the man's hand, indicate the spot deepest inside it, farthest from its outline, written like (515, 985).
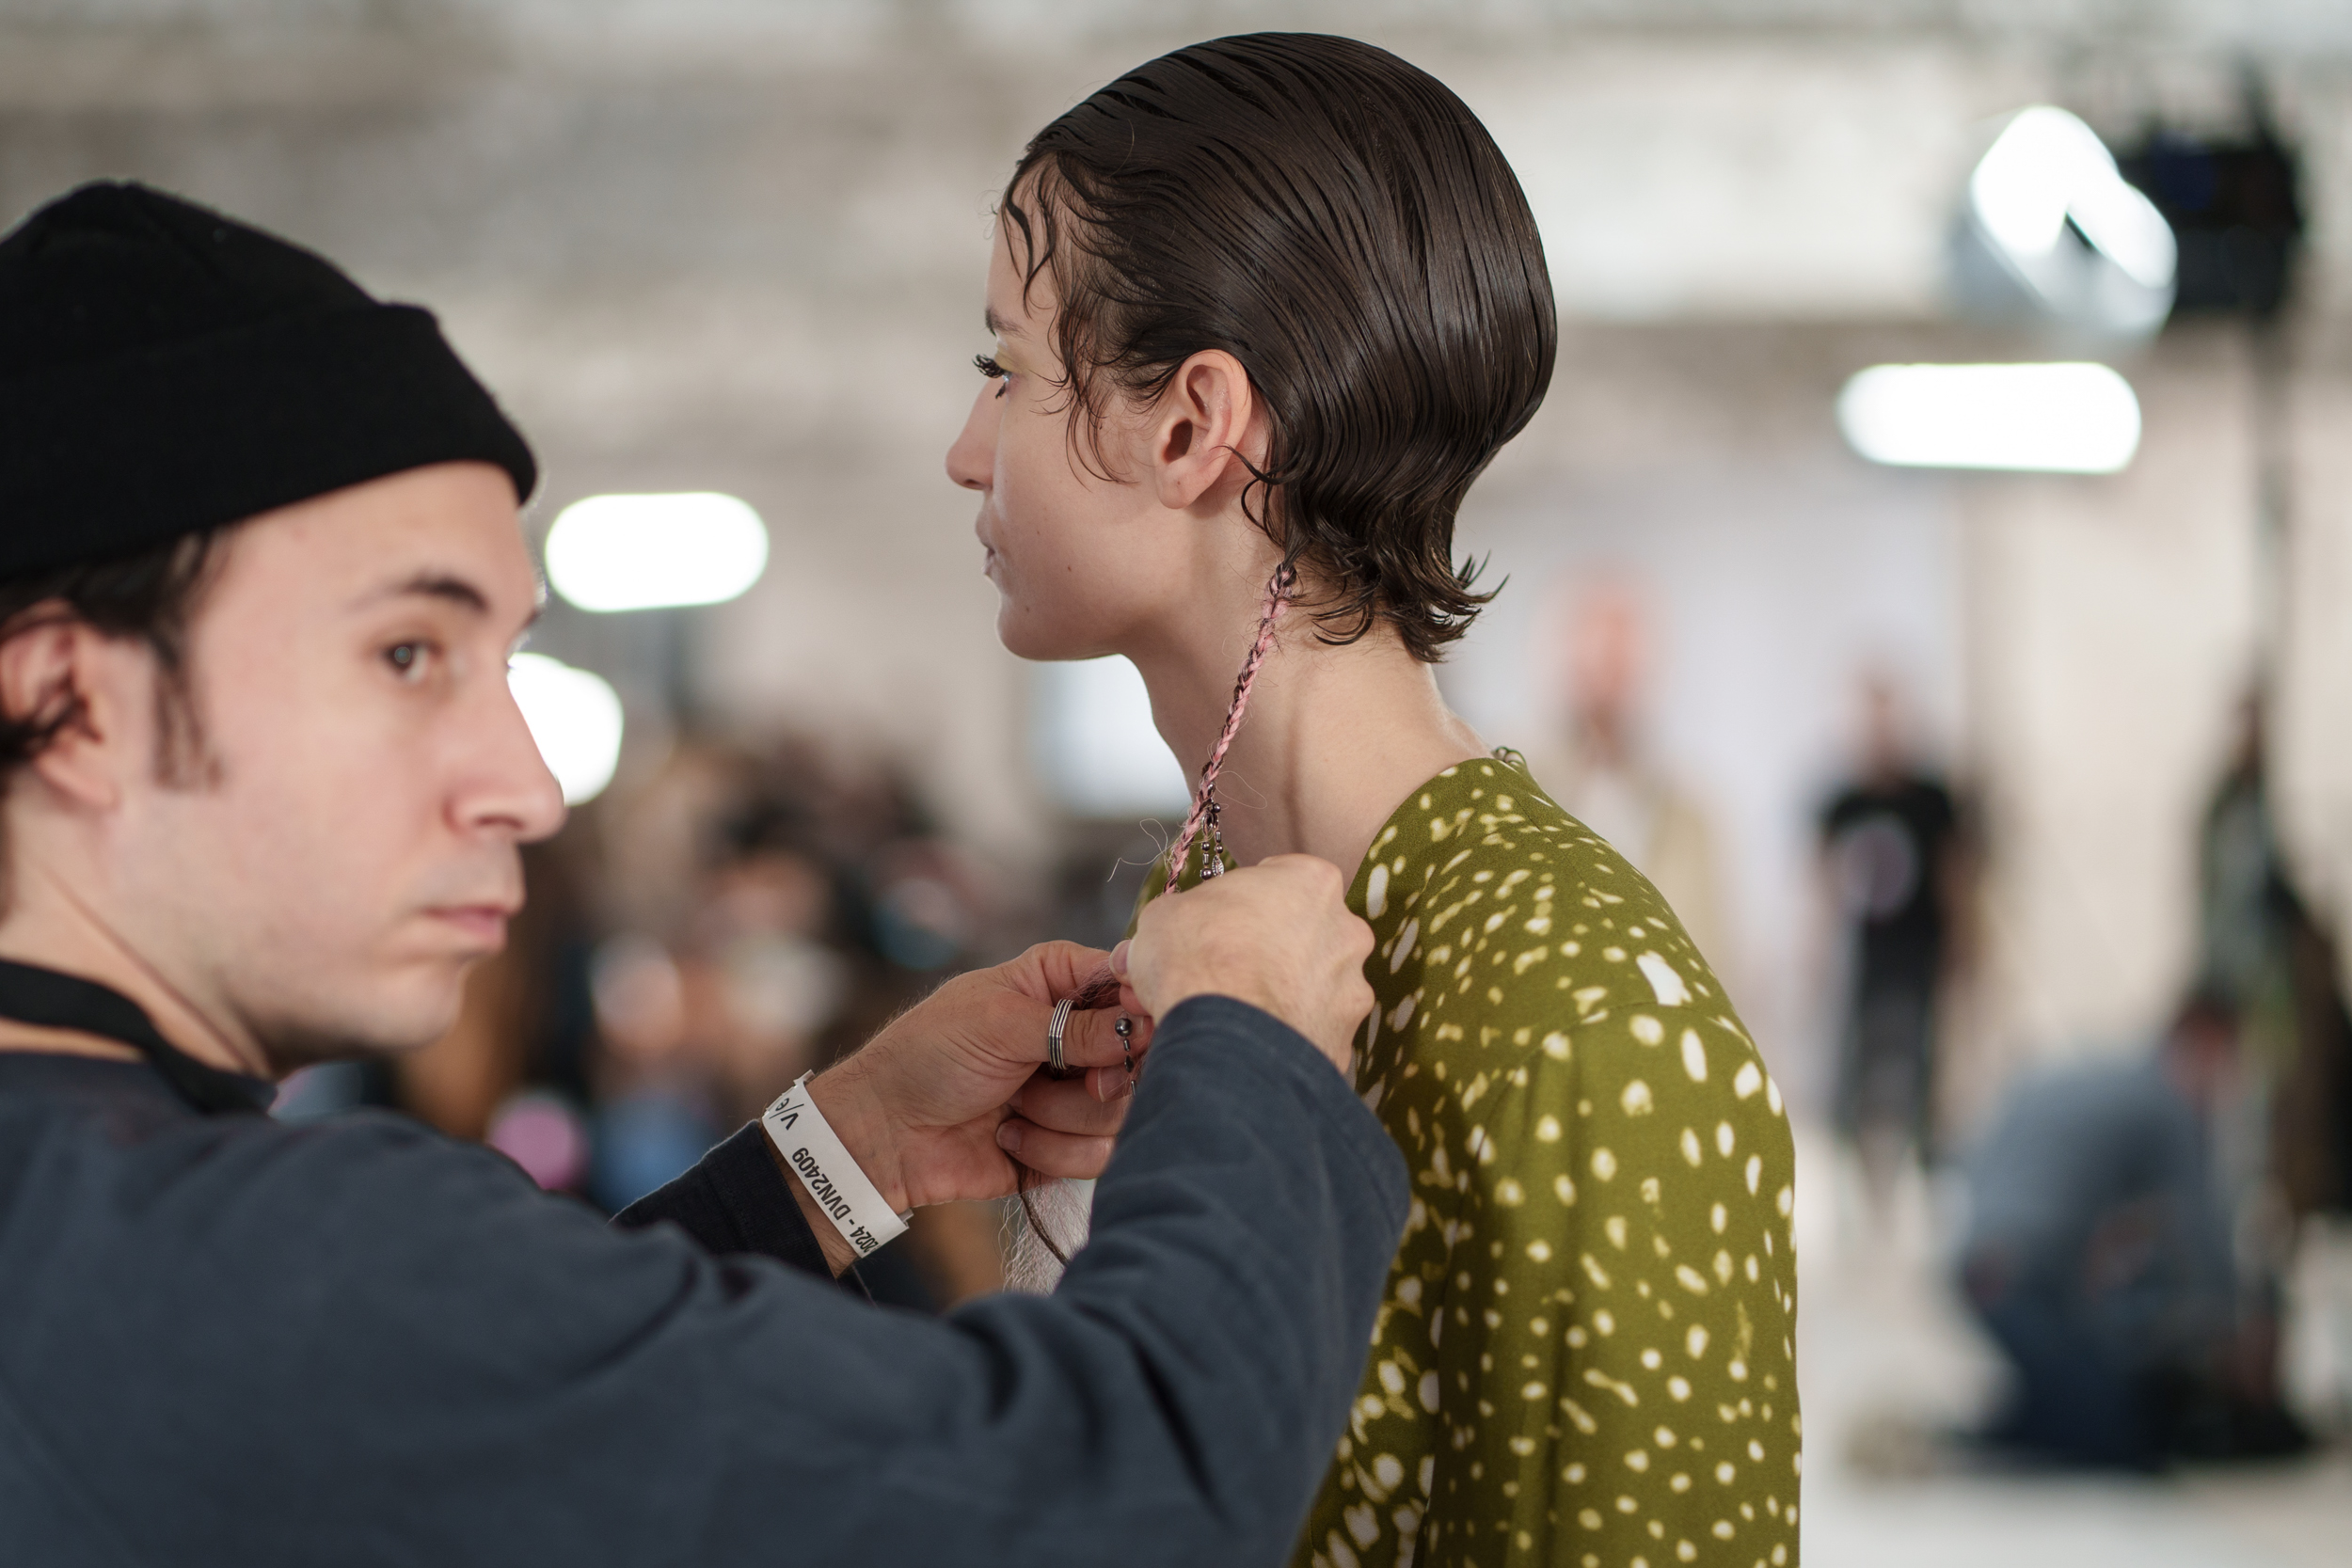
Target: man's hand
(935, 1107)
(1277, 935)
(938, 1105)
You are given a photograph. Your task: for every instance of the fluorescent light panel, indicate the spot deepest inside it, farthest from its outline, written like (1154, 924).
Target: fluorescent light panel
(2074, 419)
(654, 552)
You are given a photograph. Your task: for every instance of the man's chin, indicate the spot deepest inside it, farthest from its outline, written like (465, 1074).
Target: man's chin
(385, 1032)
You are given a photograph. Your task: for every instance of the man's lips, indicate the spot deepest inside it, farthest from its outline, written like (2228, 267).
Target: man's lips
(483, 924)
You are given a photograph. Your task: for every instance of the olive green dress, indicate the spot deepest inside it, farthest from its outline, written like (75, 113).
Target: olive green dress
(1587, 1352)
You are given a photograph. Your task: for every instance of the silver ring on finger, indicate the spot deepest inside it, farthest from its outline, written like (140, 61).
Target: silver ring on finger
(1054, 1064)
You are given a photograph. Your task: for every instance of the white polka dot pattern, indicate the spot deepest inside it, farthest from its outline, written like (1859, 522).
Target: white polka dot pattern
(1586, 1356)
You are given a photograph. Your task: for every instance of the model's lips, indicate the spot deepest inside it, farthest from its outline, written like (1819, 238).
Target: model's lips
(988, 551)
(483, 925)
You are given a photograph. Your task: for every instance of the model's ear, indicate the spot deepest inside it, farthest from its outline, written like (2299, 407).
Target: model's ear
(1209, 419)
(58, 674)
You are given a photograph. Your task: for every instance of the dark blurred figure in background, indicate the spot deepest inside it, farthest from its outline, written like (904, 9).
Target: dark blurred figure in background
(2099, 1258)
(2264, 951)
(1896, 850)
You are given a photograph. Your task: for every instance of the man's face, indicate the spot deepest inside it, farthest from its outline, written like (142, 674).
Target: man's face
(347, 843)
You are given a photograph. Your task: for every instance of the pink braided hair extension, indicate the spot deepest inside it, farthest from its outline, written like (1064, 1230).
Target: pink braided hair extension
(1101, 989)
(1278, 598)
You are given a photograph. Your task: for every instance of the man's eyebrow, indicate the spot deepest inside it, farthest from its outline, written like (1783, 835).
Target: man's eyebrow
(446, 586)
(437, 585)
(452, 589)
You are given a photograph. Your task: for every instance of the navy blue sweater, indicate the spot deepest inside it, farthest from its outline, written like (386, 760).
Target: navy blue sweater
(228, 1340)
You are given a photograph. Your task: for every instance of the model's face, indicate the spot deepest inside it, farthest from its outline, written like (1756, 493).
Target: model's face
(352, 847)
(1079, 560)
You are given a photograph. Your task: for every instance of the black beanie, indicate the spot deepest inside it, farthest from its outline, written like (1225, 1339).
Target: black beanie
(164, 370)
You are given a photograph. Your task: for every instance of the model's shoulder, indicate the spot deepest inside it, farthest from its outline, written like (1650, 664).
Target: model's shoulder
(1515, 949)
(1483, 872)
(1486, 824)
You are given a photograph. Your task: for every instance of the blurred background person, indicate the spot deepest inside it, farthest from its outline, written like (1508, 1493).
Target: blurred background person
(2099, 1258)
(655, 1110)
(1898, 869)
(1599, 765)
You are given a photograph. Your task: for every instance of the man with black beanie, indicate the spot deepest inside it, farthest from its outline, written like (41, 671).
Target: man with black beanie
(261, 785)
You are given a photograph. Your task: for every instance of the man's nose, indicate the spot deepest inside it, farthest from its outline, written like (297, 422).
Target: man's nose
(514, 790)
(972, 461)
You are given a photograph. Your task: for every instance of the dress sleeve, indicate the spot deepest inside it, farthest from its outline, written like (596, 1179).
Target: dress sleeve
(1616, 1357)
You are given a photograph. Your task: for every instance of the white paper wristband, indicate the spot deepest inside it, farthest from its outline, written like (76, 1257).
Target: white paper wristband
(810, 1146)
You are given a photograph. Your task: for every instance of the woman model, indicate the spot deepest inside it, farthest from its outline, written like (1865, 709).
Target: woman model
(1263, 308)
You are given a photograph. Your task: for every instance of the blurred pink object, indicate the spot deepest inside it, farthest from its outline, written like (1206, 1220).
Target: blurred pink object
(541, 1133)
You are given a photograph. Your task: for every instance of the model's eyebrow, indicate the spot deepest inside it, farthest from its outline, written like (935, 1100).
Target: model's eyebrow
(999, 326)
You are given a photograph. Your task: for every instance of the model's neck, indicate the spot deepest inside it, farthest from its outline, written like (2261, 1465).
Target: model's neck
(1335, 739)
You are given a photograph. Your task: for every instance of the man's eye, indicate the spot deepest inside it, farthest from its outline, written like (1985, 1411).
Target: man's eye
(407, 657)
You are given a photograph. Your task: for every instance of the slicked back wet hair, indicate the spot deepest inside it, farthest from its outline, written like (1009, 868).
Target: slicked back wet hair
(1341, 224)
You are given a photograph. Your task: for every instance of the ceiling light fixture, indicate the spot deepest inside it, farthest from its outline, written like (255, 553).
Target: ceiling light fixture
(2053, 232)
(2077, 419)
(654, 552)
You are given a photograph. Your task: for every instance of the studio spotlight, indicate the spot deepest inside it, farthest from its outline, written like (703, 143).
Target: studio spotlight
(2052, 234)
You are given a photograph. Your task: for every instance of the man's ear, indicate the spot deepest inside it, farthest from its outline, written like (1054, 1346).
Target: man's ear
(1205, 422)
(60, 672)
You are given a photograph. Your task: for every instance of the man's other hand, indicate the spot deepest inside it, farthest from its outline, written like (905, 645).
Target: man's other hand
(1277, 935)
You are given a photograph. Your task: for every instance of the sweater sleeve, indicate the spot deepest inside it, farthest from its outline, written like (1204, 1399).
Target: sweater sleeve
(735, 1201)
(381, 1346)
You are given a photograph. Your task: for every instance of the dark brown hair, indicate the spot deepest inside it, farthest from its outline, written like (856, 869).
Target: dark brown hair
(1341, 224)
(148, 596)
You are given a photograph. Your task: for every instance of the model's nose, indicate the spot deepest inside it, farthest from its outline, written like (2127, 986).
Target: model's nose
(972, 461)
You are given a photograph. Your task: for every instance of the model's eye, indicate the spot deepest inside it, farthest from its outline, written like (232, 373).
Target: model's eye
(987, 366)
(407, 658)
